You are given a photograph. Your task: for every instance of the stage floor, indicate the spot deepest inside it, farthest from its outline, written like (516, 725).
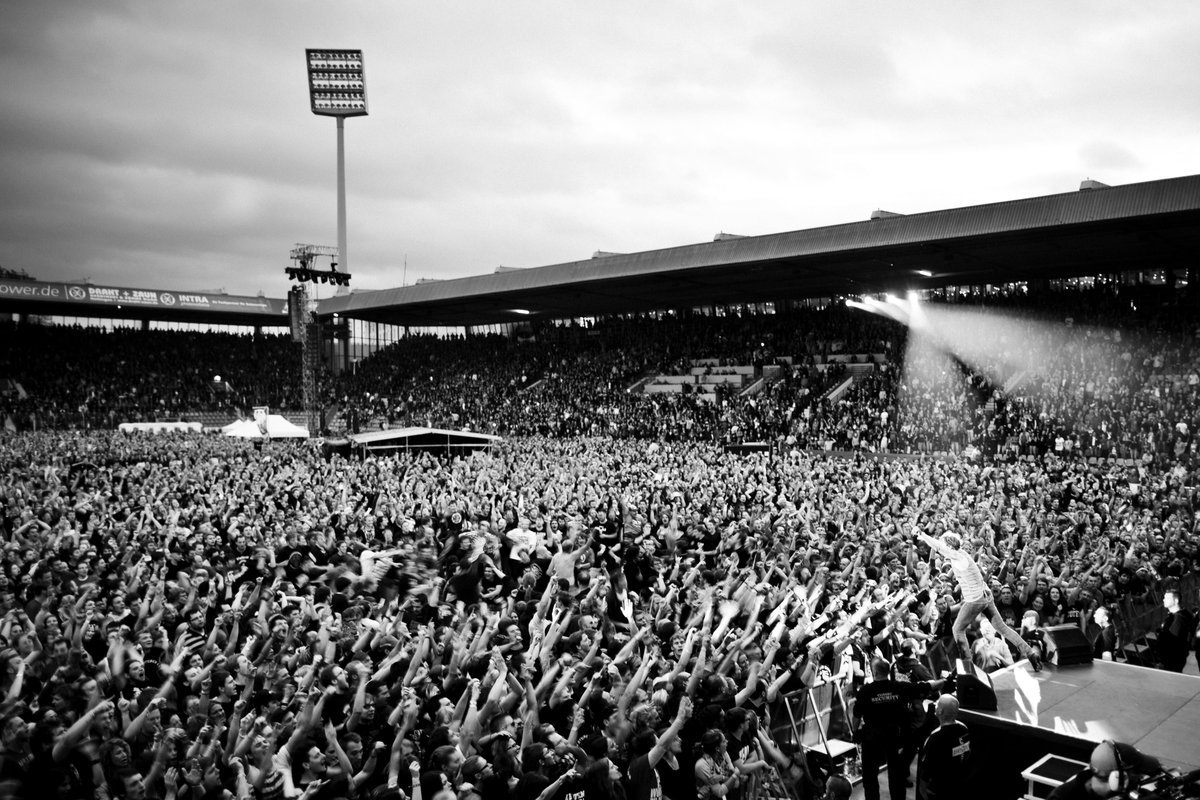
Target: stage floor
(1158, 712)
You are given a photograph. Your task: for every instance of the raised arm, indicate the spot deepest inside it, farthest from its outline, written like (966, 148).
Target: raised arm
(936, 545)
(670, 734)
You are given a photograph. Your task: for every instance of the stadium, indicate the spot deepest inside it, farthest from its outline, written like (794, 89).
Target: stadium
(677, 491)
(760, 401)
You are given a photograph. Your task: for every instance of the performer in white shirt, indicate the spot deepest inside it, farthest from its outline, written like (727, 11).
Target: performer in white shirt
(976, 597)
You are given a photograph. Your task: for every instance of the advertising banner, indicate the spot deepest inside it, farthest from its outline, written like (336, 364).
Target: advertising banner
(86, 294)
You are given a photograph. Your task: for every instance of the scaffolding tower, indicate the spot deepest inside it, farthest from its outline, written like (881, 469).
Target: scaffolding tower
(311, 370)
(306, 331)
(306, 327)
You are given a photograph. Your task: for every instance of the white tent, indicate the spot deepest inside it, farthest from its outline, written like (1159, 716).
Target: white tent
(277, 428)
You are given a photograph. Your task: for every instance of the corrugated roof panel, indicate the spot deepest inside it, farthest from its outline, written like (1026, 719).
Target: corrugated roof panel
(1071, 208)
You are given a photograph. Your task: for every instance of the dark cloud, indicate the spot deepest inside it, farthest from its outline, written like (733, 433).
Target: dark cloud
(171, 144)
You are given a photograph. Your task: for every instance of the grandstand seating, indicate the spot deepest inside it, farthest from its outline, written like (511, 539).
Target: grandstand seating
(823, 378)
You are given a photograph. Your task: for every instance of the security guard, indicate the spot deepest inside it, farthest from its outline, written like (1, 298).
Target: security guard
(884, 708)
(944, 768)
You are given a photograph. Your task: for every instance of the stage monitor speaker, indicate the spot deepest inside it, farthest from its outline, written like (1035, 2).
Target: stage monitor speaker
(974, 687)
(1066, 645)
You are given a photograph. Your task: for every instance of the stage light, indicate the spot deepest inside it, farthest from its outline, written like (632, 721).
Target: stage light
(925, 273)
(305, 256)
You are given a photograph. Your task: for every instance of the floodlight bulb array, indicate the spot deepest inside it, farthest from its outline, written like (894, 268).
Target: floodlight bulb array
(336, 83)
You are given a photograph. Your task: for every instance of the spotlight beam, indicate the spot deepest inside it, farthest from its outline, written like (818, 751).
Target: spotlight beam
(888, 309)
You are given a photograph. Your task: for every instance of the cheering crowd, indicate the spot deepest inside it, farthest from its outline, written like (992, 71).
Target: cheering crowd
(188, 616)
(73, 377)
(608, 605)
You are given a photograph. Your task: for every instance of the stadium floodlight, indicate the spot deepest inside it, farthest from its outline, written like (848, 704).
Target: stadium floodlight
(337, 87)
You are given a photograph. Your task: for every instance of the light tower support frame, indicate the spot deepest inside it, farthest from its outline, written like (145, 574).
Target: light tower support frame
(341, 194)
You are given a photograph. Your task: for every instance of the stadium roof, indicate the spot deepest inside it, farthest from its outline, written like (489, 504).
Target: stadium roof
(1152, 225)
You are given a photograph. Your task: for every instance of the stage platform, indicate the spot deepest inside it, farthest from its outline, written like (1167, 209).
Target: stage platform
(1071, 708)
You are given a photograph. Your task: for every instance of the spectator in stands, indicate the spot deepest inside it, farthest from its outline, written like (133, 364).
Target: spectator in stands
(1032, 632)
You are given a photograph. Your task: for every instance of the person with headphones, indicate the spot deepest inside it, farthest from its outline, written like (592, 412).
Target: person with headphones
(838, 787)
(1113, 770)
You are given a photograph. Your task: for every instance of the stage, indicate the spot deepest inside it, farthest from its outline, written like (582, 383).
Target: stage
(1067, 710)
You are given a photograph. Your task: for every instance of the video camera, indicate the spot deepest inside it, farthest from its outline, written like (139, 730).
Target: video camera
(1165, 786)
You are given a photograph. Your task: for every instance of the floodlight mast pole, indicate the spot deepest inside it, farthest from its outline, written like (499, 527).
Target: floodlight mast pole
(341, 194)
(337, 88)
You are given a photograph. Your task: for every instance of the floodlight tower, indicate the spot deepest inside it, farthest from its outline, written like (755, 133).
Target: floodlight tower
(337, 88)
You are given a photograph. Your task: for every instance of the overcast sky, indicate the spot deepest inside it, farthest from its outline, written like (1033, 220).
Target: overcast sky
(170, 145)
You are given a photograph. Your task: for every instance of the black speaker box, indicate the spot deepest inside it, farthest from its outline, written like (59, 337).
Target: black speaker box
(1066, 645)
(974, 688)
